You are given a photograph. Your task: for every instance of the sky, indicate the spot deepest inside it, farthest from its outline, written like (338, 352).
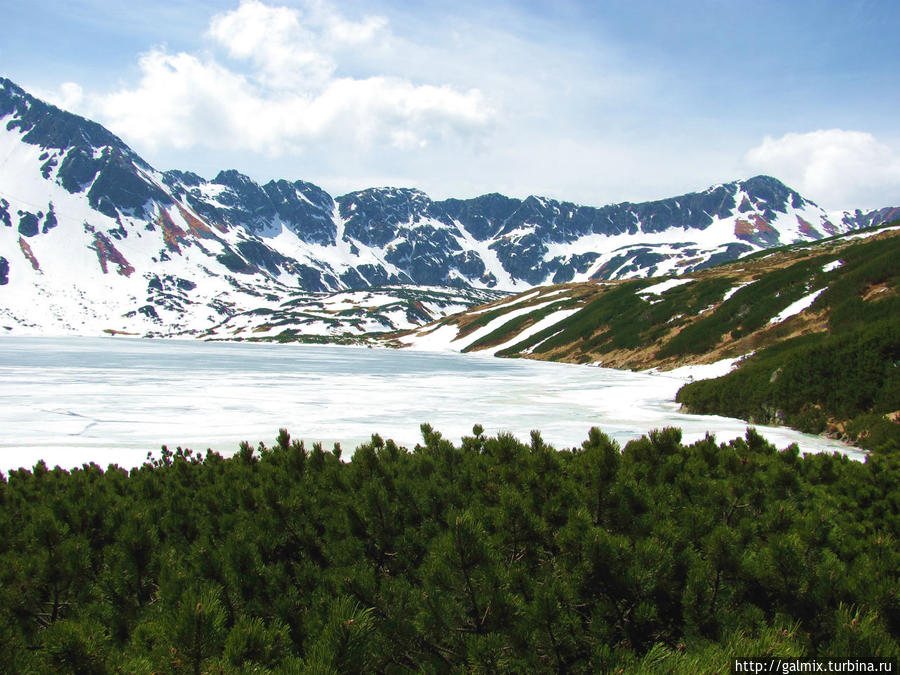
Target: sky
(594, 102)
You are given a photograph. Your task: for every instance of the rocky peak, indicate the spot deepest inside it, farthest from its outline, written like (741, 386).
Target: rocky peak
(373, 217)
(187, 178)
(246, 203)
(481, 216)
(305, 208)
(49, 127)
(234, 179)
(769, 195)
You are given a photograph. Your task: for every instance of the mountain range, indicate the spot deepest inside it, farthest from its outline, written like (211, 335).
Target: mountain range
(94, 239)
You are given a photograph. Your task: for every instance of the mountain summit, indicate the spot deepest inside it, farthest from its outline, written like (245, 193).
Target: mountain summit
(93, 238)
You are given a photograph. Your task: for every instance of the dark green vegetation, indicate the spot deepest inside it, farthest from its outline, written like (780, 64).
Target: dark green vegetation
(695, 319)
(514, 325)
(832, 368)
(853, 377)
(492, 556)
(844, 380)
(619, 318)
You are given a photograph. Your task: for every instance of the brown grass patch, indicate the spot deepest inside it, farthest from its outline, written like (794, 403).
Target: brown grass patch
(197, 227)
(106, 252)
(29, 254)
(806, 227)
(878, 292)
(172, 234)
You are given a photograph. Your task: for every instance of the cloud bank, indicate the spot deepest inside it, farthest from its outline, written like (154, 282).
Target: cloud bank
(468, 98)
(279, 90)
(833, 166)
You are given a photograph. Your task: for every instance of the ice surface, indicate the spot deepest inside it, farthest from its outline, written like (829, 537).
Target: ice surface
(77, 400)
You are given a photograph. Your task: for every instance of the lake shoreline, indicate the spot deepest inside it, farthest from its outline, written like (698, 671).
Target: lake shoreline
(118, 399)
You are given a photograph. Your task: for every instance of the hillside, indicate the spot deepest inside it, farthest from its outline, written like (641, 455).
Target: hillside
(93, 239)
(351, 316)
(835, 302)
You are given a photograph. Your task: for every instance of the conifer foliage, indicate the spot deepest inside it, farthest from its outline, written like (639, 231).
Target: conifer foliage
(493, 555)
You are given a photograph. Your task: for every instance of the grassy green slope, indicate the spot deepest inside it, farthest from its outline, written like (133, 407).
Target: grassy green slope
(830, 366)
(845, 380)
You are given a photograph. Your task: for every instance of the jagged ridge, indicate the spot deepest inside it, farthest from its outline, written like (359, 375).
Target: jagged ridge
(88, 224)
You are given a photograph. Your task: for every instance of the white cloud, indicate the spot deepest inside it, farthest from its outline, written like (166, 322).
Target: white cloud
(835, 167)
(284, 52)
(69, 96)
(181, 102)
(282, 92)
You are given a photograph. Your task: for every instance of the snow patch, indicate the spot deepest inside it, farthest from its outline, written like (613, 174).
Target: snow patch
(446, 337)
(705, 371)
(796, 307)
(662, 287)
(866, 235)
(508, 303)
(546, 322)
(496, 323)
(734, 290)
(437, 339)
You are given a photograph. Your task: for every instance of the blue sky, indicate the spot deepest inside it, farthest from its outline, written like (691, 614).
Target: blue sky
(594, 102)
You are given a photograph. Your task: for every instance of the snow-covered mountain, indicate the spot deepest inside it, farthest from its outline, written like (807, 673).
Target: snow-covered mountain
(92, 238)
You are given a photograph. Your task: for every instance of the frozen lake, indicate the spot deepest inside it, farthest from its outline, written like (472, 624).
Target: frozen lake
(111, 400)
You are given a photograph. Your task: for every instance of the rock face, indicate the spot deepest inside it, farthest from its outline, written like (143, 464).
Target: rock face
(103, 211)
